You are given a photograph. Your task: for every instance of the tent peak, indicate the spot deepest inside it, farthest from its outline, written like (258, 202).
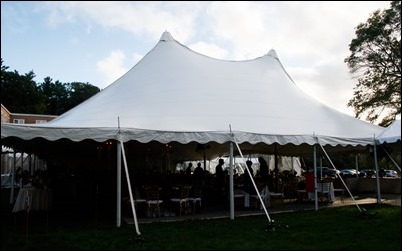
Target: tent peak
(272, 53)
(166, 36)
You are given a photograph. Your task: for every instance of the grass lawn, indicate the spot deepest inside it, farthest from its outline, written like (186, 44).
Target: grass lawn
(327, 229)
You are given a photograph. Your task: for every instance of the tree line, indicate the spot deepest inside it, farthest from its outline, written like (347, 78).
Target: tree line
(21, 94)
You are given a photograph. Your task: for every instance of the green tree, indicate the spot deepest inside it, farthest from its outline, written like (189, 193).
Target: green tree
(79, 92)
(56, 96)
(19, 93)
(375, 61)
(61, 97)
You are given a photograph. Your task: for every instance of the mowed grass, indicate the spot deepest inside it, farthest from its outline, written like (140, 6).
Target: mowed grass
(338, 228)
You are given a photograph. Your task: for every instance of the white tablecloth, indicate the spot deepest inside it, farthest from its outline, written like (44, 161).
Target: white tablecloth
(264, 195)
(331, 194)
(32, 198)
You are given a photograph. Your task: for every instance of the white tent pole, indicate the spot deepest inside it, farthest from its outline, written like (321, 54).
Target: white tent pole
(129, 189)
(293, 165)
(231, 183)
(393, 161)
(30, 167)
(377, 174)
(118, 200)
(276, 168)
(13, 178)
(22, 161)
(315, 177)
(357, 165)
(205, 159)
(321, 167)
(344, 184)
(255, 187)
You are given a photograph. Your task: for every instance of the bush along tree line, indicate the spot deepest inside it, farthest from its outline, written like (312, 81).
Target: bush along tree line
(21, 94)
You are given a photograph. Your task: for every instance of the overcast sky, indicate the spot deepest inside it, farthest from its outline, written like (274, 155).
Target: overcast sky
(97, 42)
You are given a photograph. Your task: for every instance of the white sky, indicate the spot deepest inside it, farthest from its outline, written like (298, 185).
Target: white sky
(97, 42)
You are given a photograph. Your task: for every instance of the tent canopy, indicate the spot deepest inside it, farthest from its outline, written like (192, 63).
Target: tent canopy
(175, 94)
(391, 134)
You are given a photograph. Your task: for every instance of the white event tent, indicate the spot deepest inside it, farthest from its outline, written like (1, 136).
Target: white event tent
(174, 95)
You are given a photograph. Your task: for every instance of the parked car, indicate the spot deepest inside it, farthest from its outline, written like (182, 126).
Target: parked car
(327, 172)
(367, 173)
(349, 172)
(391, 173)
(387, 173)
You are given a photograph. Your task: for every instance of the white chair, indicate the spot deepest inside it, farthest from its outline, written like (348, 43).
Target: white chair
(181, 197)
(323, 191)
(195, 197)
(276, 198)
(152, 200)
(239, 199)
(302, 195)
(340, 192)
(265, 196)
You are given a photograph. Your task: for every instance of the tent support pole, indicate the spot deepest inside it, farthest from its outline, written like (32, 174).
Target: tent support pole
(13, 178)
(255, 187)
(276, 169)
(315, 177)
(130, 190)
(118, 189)
(205, 159)
(389, 156)
(321, 166)
(377, 174)
(251, 177)
(357, 165)
(343, 182)
(231, 183)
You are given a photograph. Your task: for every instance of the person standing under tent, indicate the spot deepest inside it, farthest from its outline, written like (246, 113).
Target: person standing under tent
(198, 175)
(248, 183)
(263, 168)
(189, 169)
(220, 176)
(310, 186)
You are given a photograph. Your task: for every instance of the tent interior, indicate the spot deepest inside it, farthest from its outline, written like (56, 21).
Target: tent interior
(84, 173)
